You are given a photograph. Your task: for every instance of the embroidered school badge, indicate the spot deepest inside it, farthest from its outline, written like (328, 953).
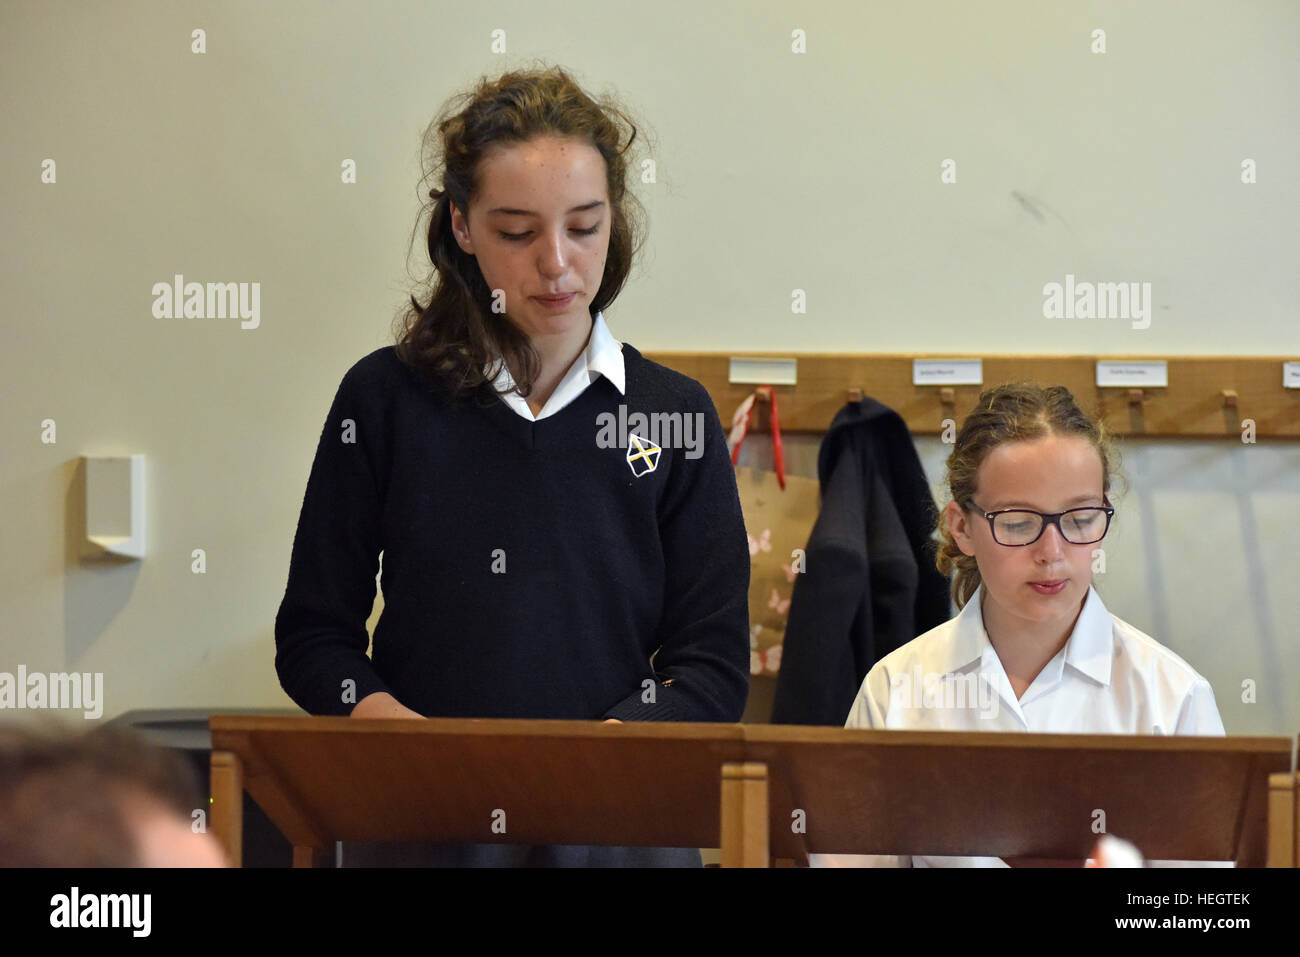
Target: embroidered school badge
(642, 455)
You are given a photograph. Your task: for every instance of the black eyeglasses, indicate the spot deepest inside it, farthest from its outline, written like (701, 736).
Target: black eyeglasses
(1022, 526)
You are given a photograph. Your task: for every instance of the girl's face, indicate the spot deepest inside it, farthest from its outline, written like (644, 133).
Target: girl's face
(539, 228)
(1046, 475)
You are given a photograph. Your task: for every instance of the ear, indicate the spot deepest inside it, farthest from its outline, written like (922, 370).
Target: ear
(460, 229)
(959, 525)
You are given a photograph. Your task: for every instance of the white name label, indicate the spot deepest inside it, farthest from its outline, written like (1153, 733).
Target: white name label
(1291, 375)
(763, 371)
(947, 372)
(1152, 374)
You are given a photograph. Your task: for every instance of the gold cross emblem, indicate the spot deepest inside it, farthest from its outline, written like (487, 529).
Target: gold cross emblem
(642, 455)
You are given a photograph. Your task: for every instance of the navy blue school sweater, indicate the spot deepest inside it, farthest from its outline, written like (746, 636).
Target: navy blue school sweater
(530, 569)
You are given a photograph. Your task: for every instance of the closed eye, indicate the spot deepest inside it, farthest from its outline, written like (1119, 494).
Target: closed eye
(516, 237)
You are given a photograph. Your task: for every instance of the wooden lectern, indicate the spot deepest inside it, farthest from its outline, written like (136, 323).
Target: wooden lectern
(471, 780)
(753, 790)
(1027, 796)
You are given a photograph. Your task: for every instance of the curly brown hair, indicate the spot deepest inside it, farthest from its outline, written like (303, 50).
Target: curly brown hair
(450, 339)
(1012, 412)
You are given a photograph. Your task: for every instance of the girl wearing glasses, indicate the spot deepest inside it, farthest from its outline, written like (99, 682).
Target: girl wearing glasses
(1033, 648)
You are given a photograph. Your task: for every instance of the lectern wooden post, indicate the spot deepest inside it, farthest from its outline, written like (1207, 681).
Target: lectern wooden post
(744, 840)
(227, 784)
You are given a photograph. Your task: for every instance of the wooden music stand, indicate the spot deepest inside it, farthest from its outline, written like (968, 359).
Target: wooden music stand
(1029, 796)
(754, 790)
(450, 780)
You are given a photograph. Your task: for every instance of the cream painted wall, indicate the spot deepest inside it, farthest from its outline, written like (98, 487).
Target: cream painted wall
(776, 171)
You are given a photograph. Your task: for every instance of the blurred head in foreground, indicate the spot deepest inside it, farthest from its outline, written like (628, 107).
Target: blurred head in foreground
(103, 798)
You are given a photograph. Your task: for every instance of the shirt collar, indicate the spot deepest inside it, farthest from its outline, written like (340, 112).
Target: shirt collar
(1088, 649)
(603, 356)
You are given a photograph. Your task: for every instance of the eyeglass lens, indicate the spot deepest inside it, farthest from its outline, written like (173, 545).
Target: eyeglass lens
(1078, 526)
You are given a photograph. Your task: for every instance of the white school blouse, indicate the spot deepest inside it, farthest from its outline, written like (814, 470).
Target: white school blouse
(1109, 678)
(602, 356)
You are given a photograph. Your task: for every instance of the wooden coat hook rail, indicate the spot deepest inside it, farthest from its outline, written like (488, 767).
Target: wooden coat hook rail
(1205, 396)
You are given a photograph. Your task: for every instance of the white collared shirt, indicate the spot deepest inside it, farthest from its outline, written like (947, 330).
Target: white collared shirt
(602, 356)
(1109, 678)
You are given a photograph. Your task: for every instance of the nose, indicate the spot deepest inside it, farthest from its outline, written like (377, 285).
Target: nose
(553, 255)
(1050, 548)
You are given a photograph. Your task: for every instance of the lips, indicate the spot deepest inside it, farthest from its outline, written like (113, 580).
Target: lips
(1049, 587)
(556, 304)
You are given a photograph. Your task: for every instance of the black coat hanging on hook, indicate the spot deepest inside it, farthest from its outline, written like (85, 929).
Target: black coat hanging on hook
(870, 583)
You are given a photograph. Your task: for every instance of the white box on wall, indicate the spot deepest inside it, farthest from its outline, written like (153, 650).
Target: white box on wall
(115, 504)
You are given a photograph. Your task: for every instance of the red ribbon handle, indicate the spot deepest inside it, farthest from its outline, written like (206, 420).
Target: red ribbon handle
(778, 453)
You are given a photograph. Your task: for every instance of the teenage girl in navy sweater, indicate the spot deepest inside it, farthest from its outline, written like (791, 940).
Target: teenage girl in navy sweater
(536, 562)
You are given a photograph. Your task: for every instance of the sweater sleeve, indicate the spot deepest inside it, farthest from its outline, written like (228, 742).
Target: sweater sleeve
(702, 664)
(320, 629)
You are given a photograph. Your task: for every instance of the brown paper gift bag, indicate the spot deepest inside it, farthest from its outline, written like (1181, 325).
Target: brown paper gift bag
(778, 524)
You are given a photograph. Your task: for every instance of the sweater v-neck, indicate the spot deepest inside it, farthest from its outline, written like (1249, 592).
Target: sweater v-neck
(543, 433)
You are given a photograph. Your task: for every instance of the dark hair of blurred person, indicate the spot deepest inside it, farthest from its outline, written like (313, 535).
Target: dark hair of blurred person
(102, 798)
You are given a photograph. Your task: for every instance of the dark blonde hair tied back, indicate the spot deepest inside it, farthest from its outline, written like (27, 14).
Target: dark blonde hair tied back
(1014, 412)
